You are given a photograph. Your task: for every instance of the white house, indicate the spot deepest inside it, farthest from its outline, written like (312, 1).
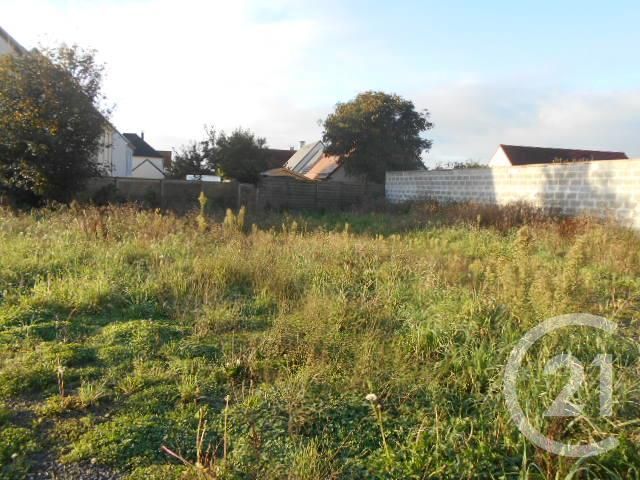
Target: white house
(115, 152)
(146, 161)
(9, 45)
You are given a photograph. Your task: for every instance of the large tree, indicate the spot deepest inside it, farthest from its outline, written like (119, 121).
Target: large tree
(51, 123)
(377, 132)
(241, 155)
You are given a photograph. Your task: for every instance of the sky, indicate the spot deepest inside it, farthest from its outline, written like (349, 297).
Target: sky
(544, 73)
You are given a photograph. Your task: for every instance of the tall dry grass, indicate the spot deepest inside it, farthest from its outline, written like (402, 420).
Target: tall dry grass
(282, 328)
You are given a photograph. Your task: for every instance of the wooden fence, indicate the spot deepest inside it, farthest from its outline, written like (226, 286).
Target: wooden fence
(180, 195)
(290, 194)
(270, 193)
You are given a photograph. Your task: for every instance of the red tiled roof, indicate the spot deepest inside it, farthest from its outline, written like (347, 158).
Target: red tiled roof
(324, 167)
(519, 155)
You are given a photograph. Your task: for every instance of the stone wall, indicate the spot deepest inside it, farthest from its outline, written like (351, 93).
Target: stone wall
(603, 188)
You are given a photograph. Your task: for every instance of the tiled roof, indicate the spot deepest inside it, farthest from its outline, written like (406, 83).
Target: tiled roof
(141, 148)
(519, 155)
(324, 167)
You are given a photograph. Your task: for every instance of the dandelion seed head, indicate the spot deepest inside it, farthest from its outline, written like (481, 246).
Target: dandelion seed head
(372, 397)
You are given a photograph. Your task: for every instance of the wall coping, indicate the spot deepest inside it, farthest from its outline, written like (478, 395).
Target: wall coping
(612, 163)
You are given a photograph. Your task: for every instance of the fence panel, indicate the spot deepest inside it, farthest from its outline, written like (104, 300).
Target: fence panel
(178, 195)
(285, 193)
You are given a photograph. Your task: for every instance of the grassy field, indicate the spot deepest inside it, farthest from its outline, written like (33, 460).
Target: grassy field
(130, 338)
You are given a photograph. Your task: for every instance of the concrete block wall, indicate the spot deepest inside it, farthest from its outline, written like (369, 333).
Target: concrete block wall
(602, 188)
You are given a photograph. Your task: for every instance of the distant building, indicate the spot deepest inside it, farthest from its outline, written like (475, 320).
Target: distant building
(146, 161)
(115, 153)
(310, 163)
(9, 45)
(305, 158)
(513, 155)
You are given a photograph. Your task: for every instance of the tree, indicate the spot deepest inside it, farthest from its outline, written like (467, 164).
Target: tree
(196, 158)
(51, 123)
(461, 165)
(241, 155)
(377, 132)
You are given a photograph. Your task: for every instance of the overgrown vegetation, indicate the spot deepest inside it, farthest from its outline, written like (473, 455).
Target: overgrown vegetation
(367, 345)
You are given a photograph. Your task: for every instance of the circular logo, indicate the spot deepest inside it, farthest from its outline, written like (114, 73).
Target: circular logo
(561, 407)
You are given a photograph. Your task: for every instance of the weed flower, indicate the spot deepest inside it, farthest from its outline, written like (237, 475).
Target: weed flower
(372, 397)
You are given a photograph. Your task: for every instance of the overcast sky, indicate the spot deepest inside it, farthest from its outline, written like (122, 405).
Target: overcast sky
(544, 73)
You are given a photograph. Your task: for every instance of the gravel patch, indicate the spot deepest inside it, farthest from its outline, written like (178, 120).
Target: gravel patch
(51, 469)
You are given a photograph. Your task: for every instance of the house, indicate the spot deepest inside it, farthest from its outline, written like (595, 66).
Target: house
(310, 163)
(146, 162)
(8, 45)
(328, 168)
(513, 155)
(115, 151)
(308, 155)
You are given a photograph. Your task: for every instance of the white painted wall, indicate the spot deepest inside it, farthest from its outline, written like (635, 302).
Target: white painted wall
(103, 156)
(499, 159)
(147, 167)
(122, 153)
(115, 153)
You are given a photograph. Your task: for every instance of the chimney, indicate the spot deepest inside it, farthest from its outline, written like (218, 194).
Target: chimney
(292, 148)
(142, 135)
(302, 142)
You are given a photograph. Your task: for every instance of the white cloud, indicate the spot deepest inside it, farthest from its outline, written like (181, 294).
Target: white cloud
(174, 66)
(278, 67)
(473, 119)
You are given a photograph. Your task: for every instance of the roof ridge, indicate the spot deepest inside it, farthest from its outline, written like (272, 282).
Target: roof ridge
(561, 148)
(12, 41)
